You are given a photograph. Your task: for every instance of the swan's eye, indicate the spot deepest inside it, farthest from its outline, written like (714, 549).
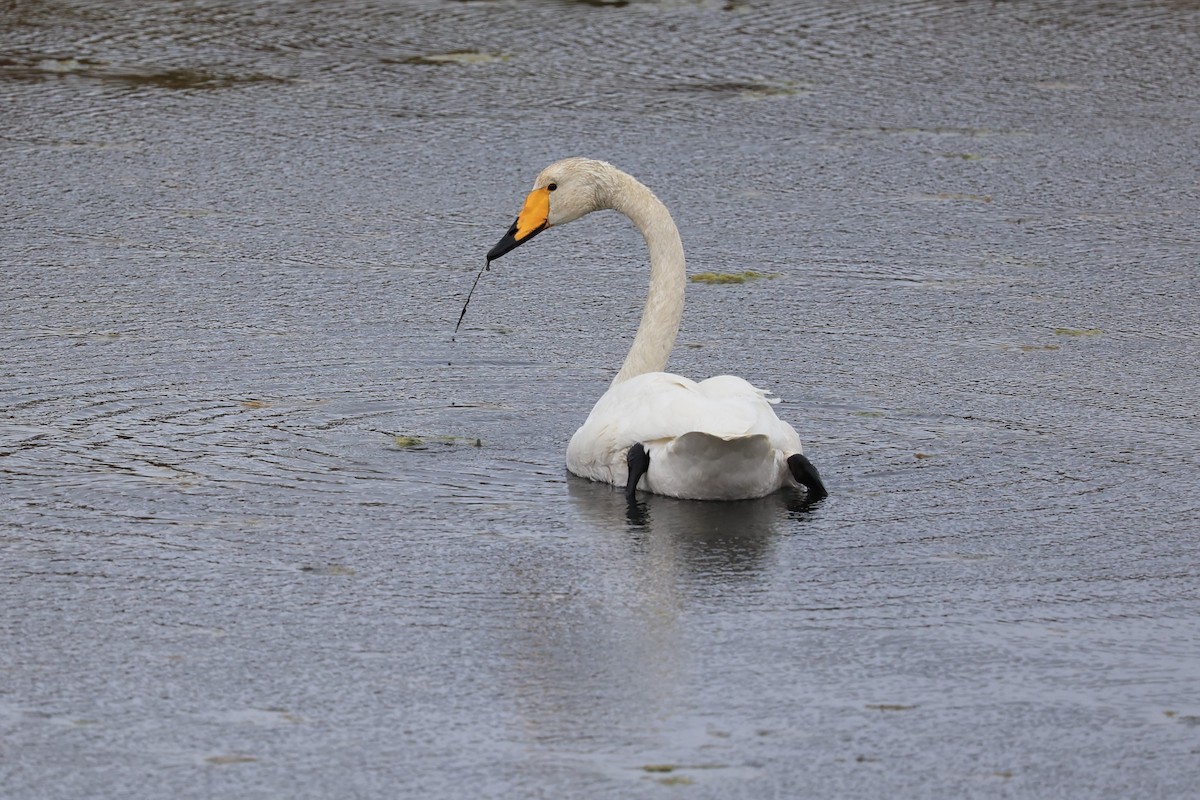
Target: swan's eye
(552, 186)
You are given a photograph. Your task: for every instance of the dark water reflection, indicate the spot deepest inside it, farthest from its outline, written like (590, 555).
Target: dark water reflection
(714, 540)
(269, 530)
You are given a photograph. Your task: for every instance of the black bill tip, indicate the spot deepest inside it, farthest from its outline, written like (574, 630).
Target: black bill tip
(511, 242)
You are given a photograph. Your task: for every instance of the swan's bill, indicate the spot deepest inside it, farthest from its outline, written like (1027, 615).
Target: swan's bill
(530, 222)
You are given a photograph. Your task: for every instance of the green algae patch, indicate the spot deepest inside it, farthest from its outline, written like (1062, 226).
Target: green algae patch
(667, 774)
(417, 443)
(178, 79)
(457, 441)
(232, 758)
(731, 277)
(407, 441)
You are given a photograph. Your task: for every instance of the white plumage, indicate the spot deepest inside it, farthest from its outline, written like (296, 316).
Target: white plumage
(718, 439)
(715, 440)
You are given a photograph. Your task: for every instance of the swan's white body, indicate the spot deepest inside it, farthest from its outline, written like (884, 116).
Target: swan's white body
(715, 440)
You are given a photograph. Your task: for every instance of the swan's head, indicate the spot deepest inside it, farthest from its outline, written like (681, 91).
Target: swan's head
(565, 191)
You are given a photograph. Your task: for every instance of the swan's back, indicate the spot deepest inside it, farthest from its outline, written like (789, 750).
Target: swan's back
(716, 439)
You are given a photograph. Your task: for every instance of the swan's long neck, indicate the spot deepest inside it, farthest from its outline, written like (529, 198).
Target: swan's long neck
(664, 300)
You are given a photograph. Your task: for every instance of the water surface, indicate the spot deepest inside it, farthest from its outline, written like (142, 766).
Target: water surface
(236, 237)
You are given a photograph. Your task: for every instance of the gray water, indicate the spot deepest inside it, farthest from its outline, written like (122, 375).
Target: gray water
(268, 530)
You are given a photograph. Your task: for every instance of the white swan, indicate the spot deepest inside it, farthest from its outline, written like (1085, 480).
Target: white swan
(714, 440)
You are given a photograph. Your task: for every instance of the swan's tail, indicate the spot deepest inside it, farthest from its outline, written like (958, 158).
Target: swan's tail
(703, 465)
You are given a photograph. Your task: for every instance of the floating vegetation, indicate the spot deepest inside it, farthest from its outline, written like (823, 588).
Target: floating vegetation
(1190, 720)
(1077, 331)
(469, 57)
(255, 404)
(669, 779)
(233, 758)
(731, 277)
(283, 715)
(753, 90)
(889, 707)
(130, 75)
(766, 90)
(43, 68)
(186, 79)
(417, 443)
(330, 569)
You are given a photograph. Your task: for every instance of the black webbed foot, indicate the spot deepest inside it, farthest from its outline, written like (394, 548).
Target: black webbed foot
(807, 476)
(638, 461)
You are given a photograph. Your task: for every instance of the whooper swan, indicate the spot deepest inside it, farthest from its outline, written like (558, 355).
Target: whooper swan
(715, 440)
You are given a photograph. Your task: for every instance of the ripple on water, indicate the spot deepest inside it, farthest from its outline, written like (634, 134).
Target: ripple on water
(239, 236)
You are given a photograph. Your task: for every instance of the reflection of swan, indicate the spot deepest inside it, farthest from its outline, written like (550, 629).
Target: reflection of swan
(714, 440)
(720, 540)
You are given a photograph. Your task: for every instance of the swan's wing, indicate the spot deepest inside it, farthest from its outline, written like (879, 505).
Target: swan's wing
(700, 465)
(752, 408)
(658, 407)
(636, 410)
